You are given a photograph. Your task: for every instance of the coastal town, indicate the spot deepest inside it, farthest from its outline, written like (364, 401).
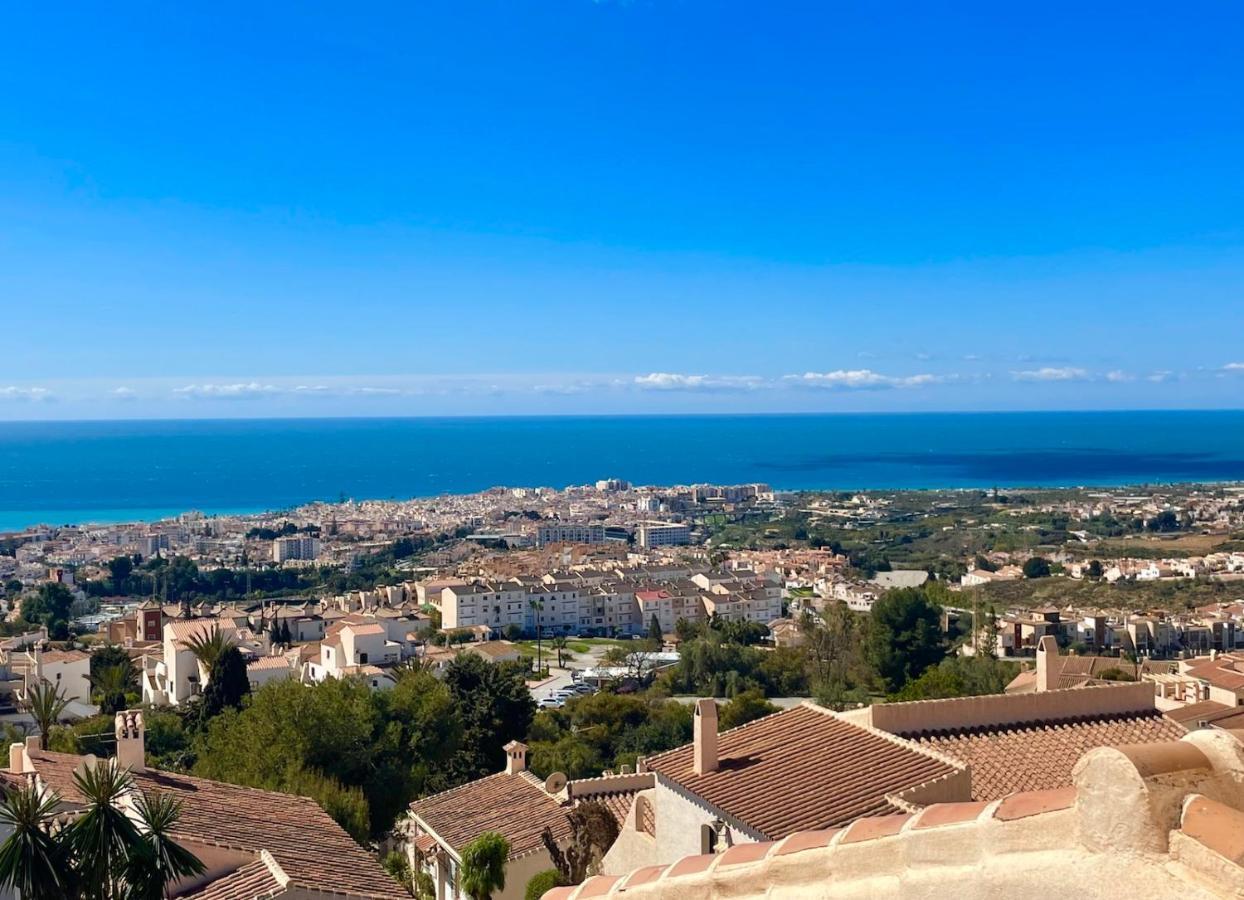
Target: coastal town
(621, 450)
(591, 595)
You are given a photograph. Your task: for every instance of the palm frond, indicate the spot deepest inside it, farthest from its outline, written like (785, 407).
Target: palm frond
(31, 860)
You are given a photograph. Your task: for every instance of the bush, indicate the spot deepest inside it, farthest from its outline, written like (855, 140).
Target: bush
(1037, 567)
(541, 883)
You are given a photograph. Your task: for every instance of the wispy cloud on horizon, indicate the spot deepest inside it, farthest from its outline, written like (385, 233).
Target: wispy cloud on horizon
(36, 394)
(1051, 373)
(672, 381)
(861, 379)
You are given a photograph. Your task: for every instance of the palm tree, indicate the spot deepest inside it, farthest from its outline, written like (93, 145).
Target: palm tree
(103, 839)
(111, 683)
(538, 607)
(45, 704)
(208, 647)
(483, 866)
(559, 644)
(32, 861)
(158, 861)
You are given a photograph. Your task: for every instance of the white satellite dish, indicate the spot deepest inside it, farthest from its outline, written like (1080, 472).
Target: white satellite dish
(554, 783)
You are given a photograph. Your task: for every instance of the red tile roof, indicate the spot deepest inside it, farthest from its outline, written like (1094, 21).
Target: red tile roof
(802, 769)
(514, 805)
(1033, 756)
(305, 842)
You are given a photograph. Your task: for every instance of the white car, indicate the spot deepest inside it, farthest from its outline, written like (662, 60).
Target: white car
(551, 703)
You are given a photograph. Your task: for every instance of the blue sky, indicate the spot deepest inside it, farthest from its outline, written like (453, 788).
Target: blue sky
(567, 206)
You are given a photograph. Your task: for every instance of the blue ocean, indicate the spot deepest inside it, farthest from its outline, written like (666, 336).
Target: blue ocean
(73, 472)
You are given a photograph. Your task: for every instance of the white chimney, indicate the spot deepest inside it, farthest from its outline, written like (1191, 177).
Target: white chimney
(19, 762)
(515, 758)
(1048, 669)
(705, 753)
(131, 740)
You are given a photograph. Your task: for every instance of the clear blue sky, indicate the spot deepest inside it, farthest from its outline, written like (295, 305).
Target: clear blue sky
(568, 206)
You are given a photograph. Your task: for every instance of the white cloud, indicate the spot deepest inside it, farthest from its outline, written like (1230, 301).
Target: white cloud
(1234, 367)
(245, 389)
(670, 381)
(236, 389)
(13, 392)
(1117, 375)
(1160, 376)
(1050, 373)
(860, 380)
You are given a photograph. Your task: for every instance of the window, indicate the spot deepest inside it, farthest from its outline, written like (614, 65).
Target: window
(708, 838)
(362, 658)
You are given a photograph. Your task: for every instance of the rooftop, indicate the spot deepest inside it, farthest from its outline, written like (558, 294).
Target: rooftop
(303, 840)
(802, 768)
(1037, 755)
(515, 805)
(1156, 820)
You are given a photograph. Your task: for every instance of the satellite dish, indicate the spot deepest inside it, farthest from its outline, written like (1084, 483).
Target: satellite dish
(554, 783)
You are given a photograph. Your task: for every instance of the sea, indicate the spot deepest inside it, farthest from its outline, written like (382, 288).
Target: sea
(81, 472)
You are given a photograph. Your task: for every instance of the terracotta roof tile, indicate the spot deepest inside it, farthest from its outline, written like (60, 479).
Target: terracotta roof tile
(949, 814)
(515, 806)
(305, 842)
(1032, 803)
(598, 886)
(807, 840)
(801, 769)
(744, 853)
(1218, 827)
(1034, 756)
(252, 881)
(874, 827)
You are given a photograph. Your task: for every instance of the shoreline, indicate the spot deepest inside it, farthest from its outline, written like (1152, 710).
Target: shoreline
(150, 515)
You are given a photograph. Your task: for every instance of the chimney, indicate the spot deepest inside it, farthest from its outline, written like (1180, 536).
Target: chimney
(1048, 669)
(515, 758)
(19, 762)
(131, 740)
(705, 755)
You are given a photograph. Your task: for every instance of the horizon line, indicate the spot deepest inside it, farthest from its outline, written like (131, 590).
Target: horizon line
(622, 415)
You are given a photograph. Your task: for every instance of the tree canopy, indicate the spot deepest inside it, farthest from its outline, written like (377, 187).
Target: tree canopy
(905, 636)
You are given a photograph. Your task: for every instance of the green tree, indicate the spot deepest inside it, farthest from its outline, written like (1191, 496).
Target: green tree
(119, 569)
(45, 704)
(743, 708)
(103, 838)
(541, 883)
(905, 636)
(110, 685)
(50, 606)
(363, 755)
(537, 608)
(398, 867)
(1037, 567)
(496, 707)
(157, 861)
(32, 861)
(483, 866)
(207, 647)
(559, 644)
(227, 682)
(655, 636)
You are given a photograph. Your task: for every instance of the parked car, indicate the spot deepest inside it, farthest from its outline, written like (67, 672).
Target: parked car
(551, 702)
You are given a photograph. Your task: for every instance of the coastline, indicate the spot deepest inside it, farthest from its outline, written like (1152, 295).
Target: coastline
(121, 471)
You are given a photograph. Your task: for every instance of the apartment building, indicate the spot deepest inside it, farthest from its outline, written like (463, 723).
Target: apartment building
(569, 533)
(298, 547)
(662, 534)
